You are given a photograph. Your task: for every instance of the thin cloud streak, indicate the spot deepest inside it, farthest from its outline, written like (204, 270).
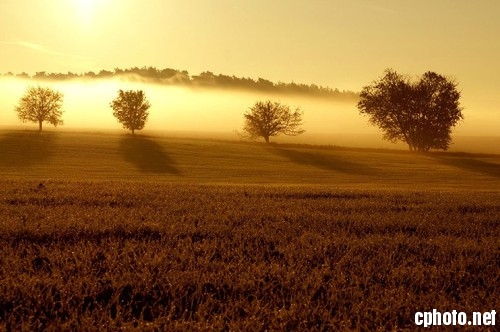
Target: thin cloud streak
(42, 49)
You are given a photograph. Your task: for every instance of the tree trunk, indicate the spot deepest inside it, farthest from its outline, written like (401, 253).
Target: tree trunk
(267, 139)
(133, 131)
(40, 126)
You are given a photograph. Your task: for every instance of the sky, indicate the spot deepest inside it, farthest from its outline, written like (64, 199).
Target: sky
(344, 44)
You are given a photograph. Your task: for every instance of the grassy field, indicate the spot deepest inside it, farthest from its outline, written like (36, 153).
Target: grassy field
(110, 232)
(80, 156)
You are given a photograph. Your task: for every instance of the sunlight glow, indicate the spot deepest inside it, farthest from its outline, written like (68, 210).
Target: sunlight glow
(86, 10)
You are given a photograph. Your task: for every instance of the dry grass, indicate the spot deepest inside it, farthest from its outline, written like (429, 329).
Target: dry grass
(80, 156)
(109, 232)
(110, 255)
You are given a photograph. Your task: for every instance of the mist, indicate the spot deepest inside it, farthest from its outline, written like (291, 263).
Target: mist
(214, 112)
(86, 106)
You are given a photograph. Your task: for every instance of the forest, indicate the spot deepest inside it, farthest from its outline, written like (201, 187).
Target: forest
(206, 79)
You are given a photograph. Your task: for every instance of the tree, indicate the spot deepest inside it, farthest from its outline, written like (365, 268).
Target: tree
(420, 113)
(131, 109)
(268, 118)
(41, 104)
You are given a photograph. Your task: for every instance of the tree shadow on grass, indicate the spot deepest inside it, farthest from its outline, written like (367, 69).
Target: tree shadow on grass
(21, 149)
(147, 155)
(470, 164)
(327, 162)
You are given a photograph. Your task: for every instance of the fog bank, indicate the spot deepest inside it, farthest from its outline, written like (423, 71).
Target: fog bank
(216, 112)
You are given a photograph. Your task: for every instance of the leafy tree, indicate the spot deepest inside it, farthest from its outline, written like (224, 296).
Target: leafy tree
(420, 113)
(268, 118)
(131, 109)
(41, 104)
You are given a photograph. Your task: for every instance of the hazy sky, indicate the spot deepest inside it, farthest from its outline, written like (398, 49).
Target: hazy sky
(343, 44)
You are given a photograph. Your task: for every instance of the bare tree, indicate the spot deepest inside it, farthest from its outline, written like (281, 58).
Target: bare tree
(41, 104)
(419, 113)
(131, 109)
(268, 118)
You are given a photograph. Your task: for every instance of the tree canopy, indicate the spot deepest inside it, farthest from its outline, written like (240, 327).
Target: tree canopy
(420, 113)
(268, 118)
(41, 104)
(131, 109)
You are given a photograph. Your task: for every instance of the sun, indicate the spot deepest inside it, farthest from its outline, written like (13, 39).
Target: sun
(86, 10)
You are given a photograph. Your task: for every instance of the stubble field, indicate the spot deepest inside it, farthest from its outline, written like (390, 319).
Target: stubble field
(103, 232)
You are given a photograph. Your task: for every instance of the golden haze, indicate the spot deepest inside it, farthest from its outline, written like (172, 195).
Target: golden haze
(219, 113)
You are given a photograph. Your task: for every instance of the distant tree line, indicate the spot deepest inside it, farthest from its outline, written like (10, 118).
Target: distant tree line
(206, 79)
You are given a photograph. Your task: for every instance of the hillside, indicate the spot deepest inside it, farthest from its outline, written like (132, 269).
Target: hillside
(105, 156)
